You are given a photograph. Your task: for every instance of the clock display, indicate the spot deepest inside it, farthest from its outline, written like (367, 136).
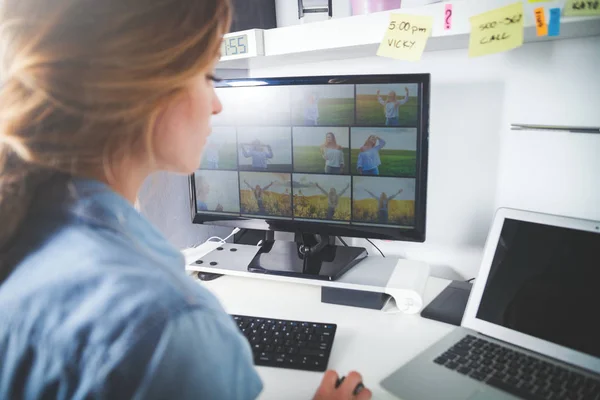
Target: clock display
(234, 45)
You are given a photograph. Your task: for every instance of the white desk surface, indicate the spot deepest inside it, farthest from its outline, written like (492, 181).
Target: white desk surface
(368, 341)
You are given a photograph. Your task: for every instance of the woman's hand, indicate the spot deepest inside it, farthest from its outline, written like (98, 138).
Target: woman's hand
(378, 93)
(351, 388)
(406, 90)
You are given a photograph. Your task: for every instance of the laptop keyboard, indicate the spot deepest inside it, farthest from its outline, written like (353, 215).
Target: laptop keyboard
(288, 344)
(515, 372)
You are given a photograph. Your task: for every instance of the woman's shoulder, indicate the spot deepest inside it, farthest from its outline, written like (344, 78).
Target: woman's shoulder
(100, 287)
(107, 263)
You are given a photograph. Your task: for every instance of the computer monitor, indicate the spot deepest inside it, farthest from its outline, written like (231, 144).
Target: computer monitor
(320, 156)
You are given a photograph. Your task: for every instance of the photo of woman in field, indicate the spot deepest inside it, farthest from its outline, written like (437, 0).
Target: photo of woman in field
(258, 195)
(265, 149)
(387, 104)
(258, 151)
(323, 105)
(391, 107)
(333, 198)
(384, 151)
(368, 159)
(265, 193)
(321, 150)
(383, 201)
(333, 155)
(321, 197)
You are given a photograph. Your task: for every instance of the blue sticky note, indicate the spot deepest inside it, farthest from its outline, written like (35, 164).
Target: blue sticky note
(554, 25)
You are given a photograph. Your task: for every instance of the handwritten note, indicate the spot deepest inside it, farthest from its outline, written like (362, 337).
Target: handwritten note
(582, 7)
(496, 31)
(448, 17)
(540, 22)
(406, 37)
(554, 24)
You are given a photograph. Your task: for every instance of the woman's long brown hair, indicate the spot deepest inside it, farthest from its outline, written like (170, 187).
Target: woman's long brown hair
(83, 82)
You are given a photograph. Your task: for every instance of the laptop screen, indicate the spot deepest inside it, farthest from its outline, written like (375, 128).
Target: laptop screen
(545, 282)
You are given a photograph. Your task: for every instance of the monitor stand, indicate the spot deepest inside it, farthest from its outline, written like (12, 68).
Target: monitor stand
(308, 256)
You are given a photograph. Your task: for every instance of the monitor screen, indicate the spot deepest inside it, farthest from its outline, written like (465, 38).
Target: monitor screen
(343, 155)
(543, 283)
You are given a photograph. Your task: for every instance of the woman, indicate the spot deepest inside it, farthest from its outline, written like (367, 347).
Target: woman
(333, 155)
(333, 198)
(391, 107)
(368, 157)
(258, 195)
(311, 109)
(383, 203)
(259, 152)
(94, 302)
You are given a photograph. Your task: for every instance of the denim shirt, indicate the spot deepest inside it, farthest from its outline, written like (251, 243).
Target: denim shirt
(99, 306)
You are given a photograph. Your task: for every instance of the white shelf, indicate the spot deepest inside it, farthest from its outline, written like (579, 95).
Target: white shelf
(359, 36)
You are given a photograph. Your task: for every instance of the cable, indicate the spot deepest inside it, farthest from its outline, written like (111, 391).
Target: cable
(223, 241)
(470, 280)
(378, 249)
(343, 241)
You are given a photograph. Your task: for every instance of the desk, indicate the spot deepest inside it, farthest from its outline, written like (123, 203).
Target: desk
(369, 341)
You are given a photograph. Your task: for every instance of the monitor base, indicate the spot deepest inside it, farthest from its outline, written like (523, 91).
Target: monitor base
(310, 256)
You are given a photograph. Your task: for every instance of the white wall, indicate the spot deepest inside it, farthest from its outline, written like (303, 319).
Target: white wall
(476, 163)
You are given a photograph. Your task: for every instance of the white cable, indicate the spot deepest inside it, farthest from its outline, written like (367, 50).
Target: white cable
(223, 241)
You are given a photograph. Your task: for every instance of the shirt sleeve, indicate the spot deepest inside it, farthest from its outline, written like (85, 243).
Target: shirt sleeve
(201, 355)
(380, 100)
(380, 145)
(403, 101)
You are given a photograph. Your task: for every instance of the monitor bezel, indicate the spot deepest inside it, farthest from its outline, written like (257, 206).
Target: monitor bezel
(414, 234)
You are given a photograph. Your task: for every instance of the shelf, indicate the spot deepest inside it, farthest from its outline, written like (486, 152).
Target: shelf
(359, 36)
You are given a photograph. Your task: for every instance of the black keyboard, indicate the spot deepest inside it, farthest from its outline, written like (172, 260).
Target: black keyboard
(515, 372)
(288, 344)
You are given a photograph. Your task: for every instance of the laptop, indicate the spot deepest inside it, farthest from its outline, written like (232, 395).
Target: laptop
(531, 328)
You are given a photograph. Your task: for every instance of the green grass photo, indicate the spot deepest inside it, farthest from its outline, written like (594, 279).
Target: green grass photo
(393, 162)
(331, 112)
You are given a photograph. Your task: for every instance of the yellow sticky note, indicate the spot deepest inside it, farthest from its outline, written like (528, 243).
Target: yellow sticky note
(496, 31)
(540, 22)
(582, 8)
(406, 37)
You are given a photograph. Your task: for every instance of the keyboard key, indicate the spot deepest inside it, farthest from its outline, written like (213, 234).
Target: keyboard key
(280, 358)
(310, 352)
(477, 375)
(452, 365)
(440, 360)
(464, 370)
(485, 370)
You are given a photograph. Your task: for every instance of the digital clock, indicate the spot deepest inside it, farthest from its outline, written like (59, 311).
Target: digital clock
(242, 44)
